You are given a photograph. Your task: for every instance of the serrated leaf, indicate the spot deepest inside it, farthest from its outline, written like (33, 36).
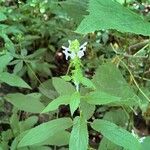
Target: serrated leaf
(44, 131)
(13, 80)
(74, 102)
(87, 109)
(100, 98)
(63, 87)
(25, 102)
(62, 100)
(108, 14)
(109, 79)
(79, 135)
(116, 134)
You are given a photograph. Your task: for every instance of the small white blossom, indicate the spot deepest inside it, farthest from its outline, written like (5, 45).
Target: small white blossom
(77, 86)
(73, 53)
(137, 137)
(142, 139)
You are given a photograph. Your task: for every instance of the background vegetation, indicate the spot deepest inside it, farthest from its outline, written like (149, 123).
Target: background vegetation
(117, 60)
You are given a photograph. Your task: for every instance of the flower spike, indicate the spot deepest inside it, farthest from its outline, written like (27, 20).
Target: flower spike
(74, 49)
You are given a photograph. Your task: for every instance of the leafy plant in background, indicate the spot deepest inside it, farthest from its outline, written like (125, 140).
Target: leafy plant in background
(97, 92)
(29, 32)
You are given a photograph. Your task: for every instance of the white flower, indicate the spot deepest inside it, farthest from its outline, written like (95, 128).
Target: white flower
(137, 137)
(72, 53)
(142, 139)
(77, 86)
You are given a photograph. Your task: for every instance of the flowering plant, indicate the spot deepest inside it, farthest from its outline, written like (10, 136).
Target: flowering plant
(82, 95)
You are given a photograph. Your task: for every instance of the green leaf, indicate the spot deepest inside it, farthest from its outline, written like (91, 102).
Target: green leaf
(109, 79)
(9, 45)
(28, 123)
(74, 102)
(14, 123)
(47, 89)
(108, 14)
(63, 87)
(2, 16)
(87, 109)
(25, 102)
(62, 100)
(119, 117)
(7, 135)
(13, 80)
(4, 60)
(16, 140)
(105, 144)
(146, 143)
(100, 98)
(88, 83)
(79, 135)
(37, 148)
(18, 67)
(76, 9)
(57, 139)
(44, 131)
(116, 134)
(122, 1)
(66, 78)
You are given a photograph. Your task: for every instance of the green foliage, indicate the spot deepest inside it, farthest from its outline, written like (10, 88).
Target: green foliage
(4, 61)
(108, 145)
(87, 110)
(57, 139)
(47, 89)
(13, 80)
(25, 102)
(62, 100)
(119, 117)
(100, 98)
(41, 92)
(108, 14)
(87, 82)
(79, 135)
(71, 6)
(74, 102)
(109, 79)
(42, 132)
(2, 16)
(116, 134)
(146, 144)
(63, 87)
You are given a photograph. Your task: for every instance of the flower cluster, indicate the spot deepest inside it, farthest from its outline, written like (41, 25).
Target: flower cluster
(75, 52)
(74, 49)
